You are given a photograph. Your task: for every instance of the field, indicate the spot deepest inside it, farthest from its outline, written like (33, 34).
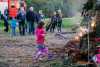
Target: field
(17, 51)
(67, 23)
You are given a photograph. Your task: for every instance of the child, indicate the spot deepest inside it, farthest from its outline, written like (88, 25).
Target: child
(40, 39)
(13, 26)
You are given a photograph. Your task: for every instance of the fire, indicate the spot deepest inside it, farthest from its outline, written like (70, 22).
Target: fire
(84, 30)
(80, 34)
(93, 24)
(77, 38)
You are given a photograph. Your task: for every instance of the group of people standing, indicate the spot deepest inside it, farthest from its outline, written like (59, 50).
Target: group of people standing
(33, 18)
(30, 16)
(56, 22)
(27, 20)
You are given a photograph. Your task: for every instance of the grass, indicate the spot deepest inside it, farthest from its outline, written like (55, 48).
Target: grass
(70, 22)
(67, 23)
(1, 24)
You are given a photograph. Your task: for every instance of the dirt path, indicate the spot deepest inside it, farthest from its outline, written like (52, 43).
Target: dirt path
(18, 51)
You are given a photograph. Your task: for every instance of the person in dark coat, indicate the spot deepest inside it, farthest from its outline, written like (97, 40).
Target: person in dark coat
(59, 20)
(21, 19)
(40, 16)
(31, 17)
(6, 24)
(6, 12)
(53, 22)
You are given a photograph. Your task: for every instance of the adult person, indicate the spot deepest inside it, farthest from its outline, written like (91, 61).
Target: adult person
(30, 16)
(21, 20)
(6, 12)
(59, 20)
(40, 16)
(6, 24)
(53, 22)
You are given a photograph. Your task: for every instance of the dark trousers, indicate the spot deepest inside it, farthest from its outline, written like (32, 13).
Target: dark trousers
(22, 28)
(53, 26)
(59, 24)
(48, 27)
(6, 25)
(31, 27)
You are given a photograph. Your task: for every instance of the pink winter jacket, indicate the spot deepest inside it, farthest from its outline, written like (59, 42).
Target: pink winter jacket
(40, 36)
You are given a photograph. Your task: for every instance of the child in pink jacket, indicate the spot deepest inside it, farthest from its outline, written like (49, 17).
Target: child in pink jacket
(40, 39)
(40, 36)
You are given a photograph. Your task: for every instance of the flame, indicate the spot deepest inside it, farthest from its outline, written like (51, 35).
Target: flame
(81, 29)
(80, 34)
(77, 38)
(93, 24)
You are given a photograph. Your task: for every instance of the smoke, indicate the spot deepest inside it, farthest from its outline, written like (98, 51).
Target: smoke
(75, 6)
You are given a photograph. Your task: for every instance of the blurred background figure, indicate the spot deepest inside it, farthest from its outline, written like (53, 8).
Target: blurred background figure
(13, 26)
(59, 20)
(21, 19)
(40, 16)
(30, 16)
(53, 22)
(6, 24)
(6, 12)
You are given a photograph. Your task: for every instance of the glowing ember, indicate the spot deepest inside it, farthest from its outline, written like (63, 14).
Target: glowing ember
(93, 24)
(82, 29)
(77, 38)
(80, 34)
